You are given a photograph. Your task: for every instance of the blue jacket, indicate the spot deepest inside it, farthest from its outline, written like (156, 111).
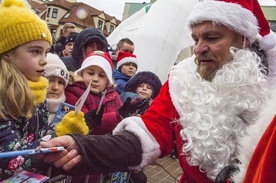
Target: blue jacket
(120, 81)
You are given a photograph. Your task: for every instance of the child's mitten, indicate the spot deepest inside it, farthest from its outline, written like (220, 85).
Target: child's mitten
(72, 124)
(94, 117)
(133, 107)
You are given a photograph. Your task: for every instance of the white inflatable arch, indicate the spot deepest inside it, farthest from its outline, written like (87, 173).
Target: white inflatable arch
(159, 35)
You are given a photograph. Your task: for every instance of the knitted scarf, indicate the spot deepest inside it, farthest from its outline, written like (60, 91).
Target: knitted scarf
(53, 105)
(39, 89)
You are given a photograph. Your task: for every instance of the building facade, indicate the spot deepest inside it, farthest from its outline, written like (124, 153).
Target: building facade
(58, 12)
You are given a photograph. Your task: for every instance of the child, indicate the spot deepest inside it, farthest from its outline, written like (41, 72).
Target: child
(24, 42)
(127, 67)
(97, 68)
(58, 77)
(144, 85)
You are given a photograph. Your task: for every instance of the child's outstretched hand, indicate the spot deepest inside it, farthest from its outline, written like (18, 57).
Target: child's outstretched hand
(133, 107)
(72, 124)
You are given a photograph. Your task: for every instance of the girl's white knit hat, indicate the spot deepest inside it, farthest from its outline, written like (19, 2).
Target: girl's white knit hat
(55, 67)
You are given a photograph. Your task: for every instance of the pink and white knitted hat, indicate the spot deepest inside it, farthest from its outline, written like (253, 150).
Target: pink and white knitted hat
(56, 67)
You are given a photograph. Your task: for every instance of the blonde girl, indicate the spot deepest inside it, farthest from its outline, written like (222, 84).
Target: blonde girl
(24, 42)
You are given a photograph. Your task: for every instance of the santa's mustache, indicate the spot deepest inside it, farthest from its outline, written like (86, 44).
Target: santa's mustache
(200, 58)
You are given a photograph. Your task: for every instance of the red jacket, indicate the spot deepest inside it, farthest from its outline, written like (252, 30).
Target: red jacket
(112, 101)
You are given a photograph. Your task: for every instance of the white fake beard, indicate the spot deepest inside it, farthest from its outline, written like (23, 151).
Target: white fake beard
(215, 114)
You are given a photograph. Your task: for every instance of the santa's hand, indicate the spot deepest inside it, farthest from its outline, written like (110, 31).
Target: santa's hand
(72, 124)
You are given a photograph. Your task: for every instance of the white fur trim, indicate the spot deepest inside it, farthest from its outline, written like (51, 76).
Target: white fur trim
(248, 144)
(268, 42)
(271, 58)
(127, 60)
(231, 15)
(150, 146)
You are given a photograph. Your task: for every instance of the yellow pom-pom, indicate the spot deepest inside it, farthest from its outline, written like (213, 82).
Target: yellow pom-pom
(72, 124)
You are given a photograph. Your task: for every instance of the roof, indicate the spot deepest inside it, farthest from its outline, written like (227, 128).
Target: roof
(74, 12)
(61, 3)
(38, 7)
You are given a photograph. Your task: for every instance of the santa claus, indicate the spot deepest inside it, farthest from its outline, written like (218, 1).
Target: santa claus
(209, 101)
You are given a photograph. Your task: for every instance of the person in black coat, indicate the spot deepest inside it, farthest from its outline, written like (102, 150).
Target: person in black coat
(89, 39)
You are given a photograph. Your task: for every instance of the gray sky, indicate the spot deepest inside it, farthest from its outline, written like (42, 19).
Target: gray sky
(116, 7)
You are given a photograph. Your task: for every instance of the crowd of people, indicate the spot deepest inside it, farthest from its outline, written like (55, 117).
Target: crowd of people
(218, 105)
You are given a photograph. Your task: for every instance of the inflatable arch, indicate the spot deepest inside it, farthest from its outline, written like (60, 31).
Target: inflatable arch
(159, 33)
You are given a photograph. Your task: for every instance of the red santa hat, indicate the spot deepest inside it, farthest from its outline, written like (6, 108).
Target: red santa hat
(126, 57)
(101, 59)
(242, 16)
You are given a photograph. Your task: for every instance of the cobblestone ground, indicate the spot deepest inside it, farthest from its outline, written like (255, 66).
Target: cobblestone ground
(156, 174)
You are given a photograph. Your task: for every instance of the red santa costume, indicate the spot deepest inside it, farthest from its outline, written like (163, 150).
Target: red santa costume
(209, 118)
(258, 148)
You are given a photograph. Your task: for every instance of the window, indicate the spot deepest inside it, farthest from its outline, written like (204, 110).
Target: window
(55, 12)
(100, 24)
(111, 29)
(273, 26)
(48, 13)
(67, 15)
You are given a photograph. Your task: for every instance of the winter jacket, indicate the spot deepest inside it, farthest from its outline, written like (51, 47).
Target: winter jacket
(120, 80)
(20, 135)
(74, 62)
(111, 102)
